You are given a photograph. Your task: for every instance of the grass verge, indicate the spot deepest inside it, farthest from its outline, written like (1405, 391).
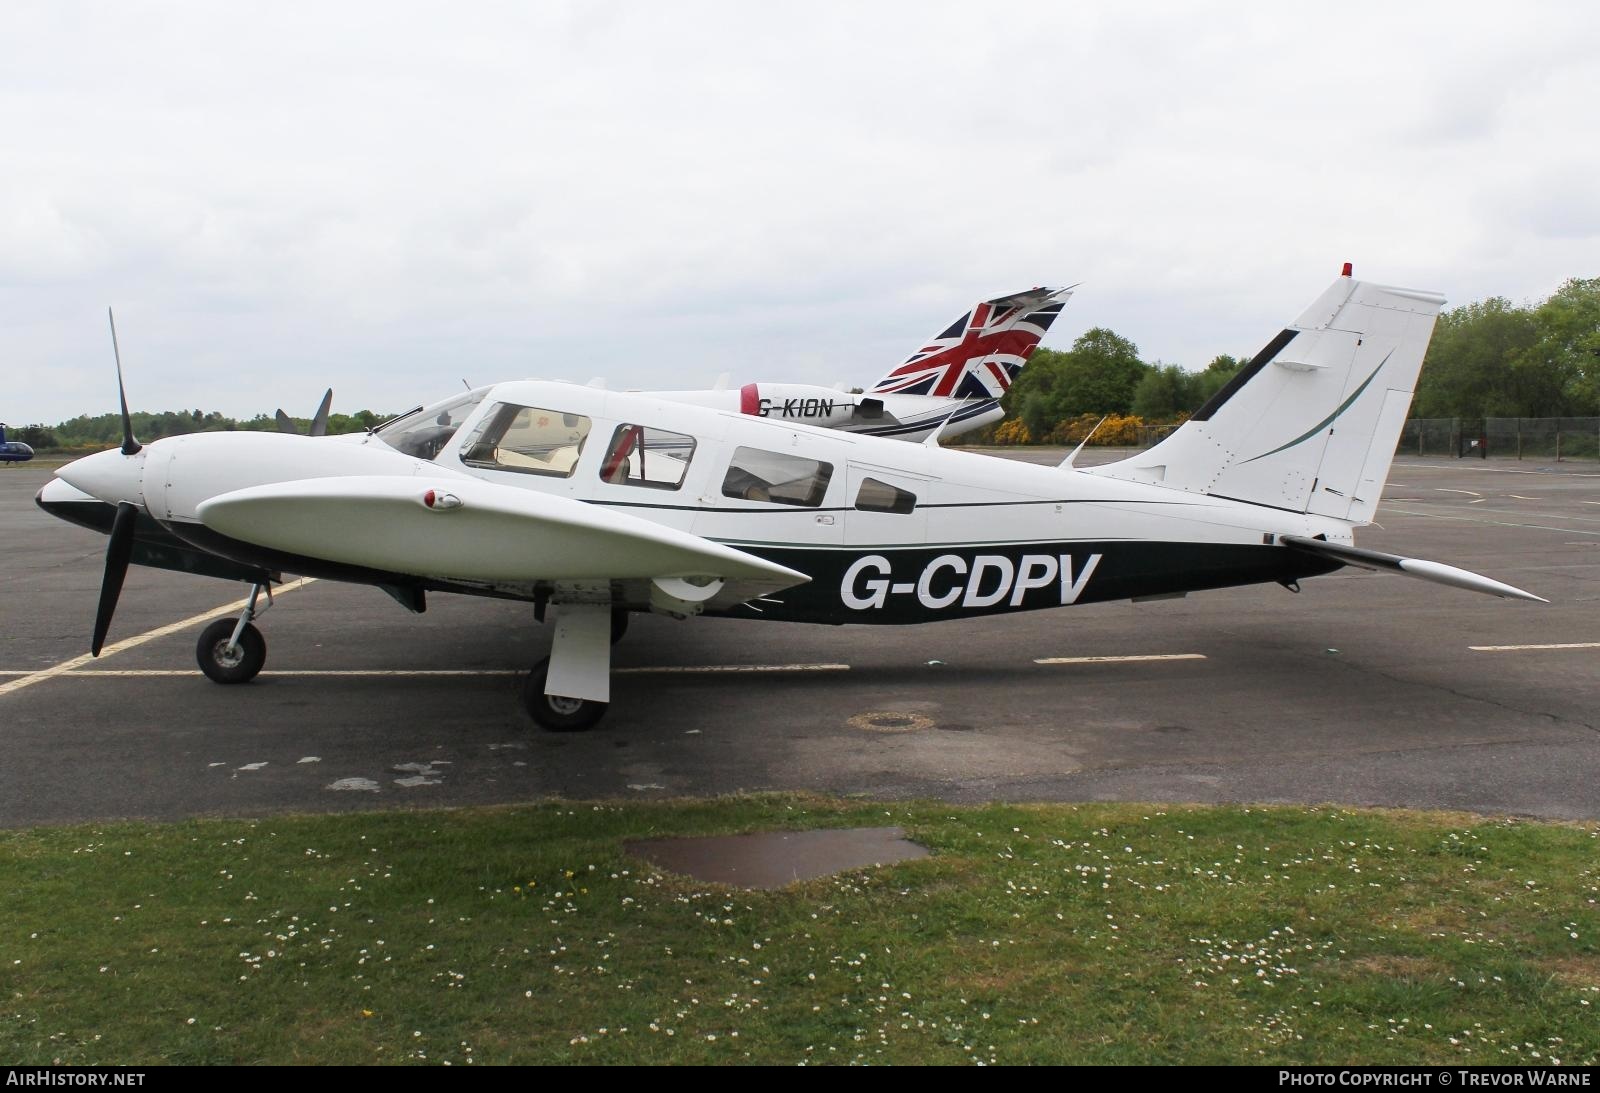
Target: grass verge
(1041, 934)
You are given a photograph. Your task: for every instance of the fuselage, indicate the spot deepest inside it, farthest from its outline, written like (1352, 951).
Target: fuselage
(887, 532)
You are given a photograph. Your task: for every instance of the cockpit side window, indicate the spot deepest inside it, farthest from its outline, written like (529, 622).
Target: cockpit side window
(642, 456)
(424, 434)
(527, 440)
(782, 479)
(875, 496)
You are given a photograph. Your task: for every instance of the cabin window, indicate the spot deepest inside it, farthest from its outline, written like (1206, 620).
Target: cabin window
(875, 496)
(424, 432)
(527, 440)
(755, 475)
(641, 456)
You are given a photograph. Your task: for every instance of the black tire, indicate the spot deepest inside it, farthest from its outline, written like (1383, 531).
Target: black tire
(553, 712)
(619, 623)
(218, 664)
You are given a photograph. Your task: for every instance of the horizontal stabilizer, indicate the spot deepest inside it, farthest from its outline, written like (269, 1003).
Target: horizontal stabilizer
(469, 530)
(1437, 572)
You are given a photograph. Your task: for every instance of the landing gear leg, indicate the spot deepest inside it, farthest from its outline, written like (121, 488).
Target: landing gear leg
(570, 690)
(233, 651)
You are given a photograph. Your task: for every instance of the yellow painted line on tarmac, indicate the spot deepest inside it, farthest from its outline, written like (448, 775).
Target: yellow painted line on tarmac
(1119, 660)
(1528, 648)
(137, 640)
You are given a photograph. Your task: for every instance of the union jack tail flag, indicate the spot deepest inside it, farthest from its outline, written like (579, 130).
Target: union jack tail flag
(980, 354)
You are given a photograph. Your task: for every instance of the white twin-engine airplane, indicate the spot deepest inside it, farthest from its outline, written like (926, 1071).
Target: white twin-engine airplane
(951, 385)
(591, 504)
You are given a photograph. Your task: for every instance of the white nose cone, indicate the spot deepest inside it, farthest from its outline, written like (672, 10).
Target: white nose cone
(109, 476)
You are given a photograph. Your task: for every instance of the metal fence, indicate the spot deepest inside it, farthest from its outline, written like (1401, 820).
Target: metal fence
(1548, 438)
(1151, 435)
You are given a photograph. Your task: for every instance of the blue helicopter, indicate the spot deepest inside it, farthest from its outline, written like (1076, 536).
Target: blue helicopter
(13, 451)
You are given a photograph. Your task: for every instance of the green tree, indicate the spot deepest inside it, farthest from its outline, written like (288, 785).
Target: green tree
(104, 430)
(35, 436)
(1029, 397)
(1099, 376)
(352, 423)
(1563, 364)
(1468, 371)
(1214, 377)
(1164, 391)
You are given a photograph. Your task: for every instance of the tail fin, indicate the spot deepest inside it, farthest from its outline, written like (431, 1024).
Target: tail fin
(1311, 423)
(979, 355)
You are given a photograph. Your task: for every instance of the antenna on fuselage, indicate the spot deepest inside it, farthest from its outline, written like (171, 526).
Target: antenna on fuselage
(933, 437)
(1066, 464)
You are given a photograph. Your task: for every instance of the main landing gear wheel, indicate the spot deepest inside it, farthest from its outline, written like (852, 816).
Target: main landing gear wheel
(619, 624)
(555, 712)
(238, 664)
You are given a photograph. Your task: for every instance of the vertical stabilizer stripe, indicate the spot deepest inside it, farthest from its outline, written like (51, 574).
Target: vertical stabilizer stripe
(1245, 374)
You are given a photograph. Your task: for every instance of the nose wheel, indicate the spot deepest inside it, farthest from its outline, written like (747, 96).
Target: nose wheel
(225, 659)
(233, 650)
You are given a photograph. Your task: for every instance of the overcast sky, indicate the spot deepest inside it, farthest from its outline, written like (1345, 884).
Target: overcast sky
(388, 198)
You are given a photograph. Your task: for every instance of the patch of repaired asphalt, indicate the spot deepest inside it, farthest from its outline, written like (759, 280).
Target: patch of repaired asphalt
(421, 774)
(772, 859)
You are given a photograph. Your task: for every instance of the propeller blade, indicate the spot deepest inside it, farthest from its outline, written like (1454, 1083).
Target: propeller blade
(286, 424)
(130, 446)
(118, 551)
(319, 422)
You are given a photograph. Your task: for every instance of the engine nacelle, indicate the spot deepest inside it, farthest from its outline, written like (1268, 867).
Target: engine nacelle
(801, 403)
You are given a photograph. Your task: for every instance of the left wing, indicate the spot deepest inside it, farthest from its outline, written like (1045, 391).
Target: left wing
(1437, 572)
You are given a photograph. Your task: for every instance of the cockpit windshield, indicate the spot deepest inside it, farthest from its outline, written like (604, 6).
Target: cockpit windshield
(424, 434)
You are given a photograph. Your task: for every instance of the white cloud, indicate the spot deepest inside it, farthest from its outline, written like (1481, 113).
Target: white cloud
(390, 197)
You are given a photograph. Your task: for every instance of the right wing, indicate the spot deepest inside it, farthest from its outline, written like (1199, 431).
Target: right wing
(469, 530)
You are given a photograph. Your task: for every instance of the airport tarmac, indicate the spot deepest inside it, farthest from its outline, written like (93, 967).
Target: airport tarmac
(1365, 689)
